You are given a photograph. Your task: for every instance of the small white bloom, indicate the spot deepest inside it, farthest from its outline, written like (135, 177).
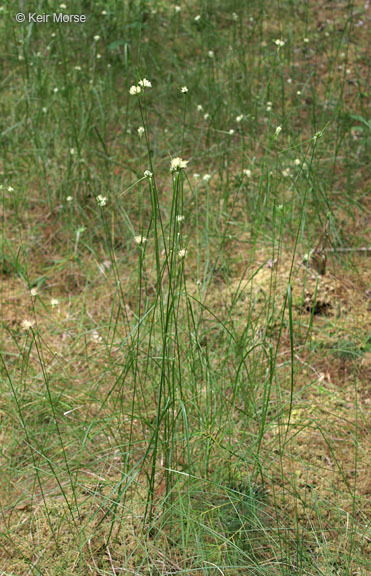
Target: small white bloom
(95, 336)
(298, 92)
(147, 174)
(178, 164)
(279, 43)
(239, 118)
(184, 89)
(145, 83)
(135, 90)
(96, 37)
(199, 108)
(99, 56)
(198, 17)
(54, 302)
(102, 200)
(104, 12)
(10, 189)
(141, 131)
(27, 324)
(286, 172)
(63, 6)
(247, 172)
(34, 292)
(289, 80)
(235, 16)
(69, 199)
(211, 54)
(78, 68)
(306, 40)
(180, 218)
(140, 240)
(278, 130)
(206, 116)
(231, 132)
(196, 176)
(55, 90)
(269, 106)
(177, 9)
(72, 151)
(297, 162)
(182, 253)
(206, 177)
(44, 110)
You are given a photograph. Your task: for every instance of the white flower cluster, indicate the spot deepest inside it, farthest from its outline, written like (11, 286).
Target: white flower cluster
(178, 164)
(134, 90)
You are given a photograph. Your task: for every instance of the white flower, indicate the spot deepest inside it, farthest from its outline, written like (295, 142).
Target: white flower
(177, 9)
(140, 240)
(27, 324)
(96, 37)
(147, 174)
(69, 199)
(54, 302)
(286, 172)
(102, 200)
(199, 108)
(180, 218)
(278, 130)
(211, 54)
(141, 131)
(99, 56)
(247, 172)
(306, 40)
(198, 17)
(95, 336)
(145, 83)
(78, 68)
(184, 89)
(135, 90)
(182, 253)
(231, 132)
(297, 162)
(298, 92)
(44, 110)
(72, 151)
(239, 118)
(206, 177)
(206, 116)
(34, 292)
(63, 6)
(196, 176)
(178, 164)
(269, 106)
(10, 189)
(279, 43)
(235, 16)
(55, 90)
(104, 12)
(289, 80)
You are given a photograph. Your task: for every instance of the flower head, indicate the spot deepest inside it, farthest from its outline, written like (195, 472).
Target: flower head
(177, 9)
(96, 37)
(27, 324)
(147, 174)
(180, 218)
(199, 108)
(279, 43)
(206, 177)
(278, 130)
(177, 164)
(140, 131)
(198, 18)
(182, 253)
(239, 118)
(33, 292)
(102, 200)
(140, 240)
(184, 89)
(211, 54)
(145, 83)
(135, 90)
(247, 172)
(69, 199)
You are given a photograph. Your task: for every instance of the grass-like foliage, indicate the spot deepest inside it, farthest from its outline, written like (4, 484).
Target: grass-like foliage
(185, 297)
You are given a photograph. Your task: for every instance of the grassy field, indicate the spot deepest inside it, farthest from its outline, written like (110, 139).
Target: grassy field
(185, 350)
